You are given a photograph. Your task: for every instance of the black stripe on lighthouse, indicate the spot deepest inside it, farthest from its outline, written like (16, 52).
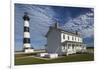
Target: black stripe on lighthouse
(26, 29)
(26, 40)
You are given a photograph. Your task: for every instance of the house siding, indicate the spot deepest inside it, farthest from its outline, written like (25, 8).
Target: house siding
(53, 41)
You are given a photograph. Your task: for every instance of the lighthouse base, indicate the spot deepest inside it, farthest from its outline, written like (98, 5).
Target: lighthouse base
(29, 50)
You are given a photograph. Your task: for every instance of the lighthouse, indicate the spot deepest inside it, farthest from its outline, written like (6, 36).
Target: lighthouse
(26, 35)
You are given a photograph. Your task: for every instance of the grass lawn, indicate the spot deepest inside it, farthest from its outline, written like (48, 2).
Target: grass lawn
(19, 60)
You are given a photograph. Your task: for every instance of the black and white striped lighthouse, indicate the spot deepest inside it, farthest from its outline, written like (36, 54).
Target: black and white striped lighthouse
(26, 39)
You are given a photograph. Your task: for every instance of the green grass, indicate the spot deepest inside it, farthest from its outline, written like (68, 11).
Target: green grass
(70, 58)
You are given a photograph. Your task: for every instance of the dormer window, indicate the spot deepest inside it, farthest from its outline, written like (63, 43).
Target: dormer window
(63, 36)
(75, 38)
(78, 39)
(68, 37)
(72, 38)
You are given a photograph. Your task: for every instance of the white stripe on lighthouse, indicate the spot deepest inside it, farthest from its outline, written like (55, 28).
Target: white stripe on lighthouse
(26, 23)
(27, 45)
(26, 35)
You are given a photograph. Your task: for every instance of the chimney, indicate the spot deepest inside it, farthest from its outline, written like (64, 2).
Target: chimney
(56, 26)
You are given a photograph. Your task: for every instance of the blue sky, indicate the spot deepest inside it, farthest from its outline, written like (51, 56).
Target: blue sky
(42, 17)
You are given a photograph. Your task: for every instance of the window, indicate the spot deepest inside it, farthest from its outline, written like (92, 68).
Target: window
(72, 38)
(78, 39)
(75, 38)
(68, 37)
(73, 46)
(69, 46)
(64, 47)
(63, 36)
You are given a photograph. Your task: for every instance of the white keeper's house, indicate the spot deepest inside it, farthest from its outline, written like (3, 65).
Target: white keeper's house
(63, 42)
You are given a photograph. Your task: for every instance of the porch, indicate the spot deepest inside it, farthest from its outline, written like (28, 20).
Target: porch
(72, 47)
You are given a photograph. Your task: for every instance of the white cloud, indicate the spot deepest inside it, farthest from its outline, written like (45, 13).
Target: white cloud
(83, 23)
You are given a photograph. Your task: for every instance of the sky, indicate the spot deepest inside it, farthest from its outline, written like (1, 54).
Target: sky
(44, 16)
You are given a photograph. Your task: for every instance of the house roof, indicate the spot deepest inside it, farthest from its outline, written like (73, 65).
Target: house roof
(63, 31)
(70, 33)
